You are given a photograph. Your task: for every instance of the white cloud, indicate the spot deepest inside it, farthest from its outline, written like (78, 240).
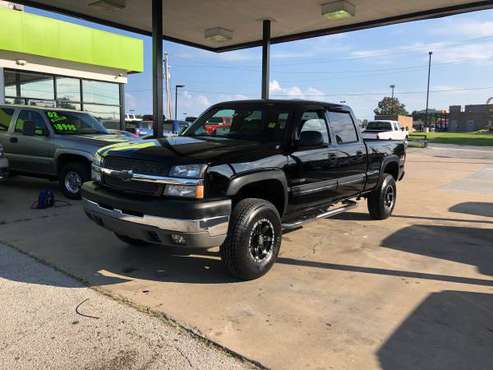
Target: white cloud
(472, 29)
(297, 92)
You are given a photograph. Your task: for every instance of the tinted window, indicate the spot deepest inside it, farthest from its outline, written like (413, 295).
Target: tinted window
(315, 121)
(35, 117)
(100, 92)
(5, 118)
(37, 86)
(379, 126)
(343, 127)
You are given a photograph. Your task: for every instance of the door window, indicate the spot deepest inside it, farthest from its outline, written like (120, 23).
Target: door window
(35, 117)
(5, 118)
(343, 127)
(315, 121)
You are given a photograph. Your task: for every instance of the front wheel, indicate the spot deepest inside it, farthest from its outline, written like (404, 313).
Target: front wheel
(254, 239)
(71, 178)
(381, 201)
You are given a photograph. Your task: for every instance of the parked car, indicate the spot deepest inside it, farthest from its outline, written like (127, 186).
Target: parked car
(53, 143)
(139, 128)
(4, 164)
(131, 118)
(172, 126)
(385, 130)
(279, 164)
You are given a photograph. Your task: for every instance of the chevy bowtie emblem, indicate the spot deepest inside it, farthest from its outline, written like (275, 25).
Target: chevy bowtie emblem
(123, 175)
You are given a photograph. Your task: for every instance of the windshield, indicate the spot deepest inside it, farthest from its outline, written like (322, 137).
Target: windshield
(265, 124)
(379, 126)
(74, 123)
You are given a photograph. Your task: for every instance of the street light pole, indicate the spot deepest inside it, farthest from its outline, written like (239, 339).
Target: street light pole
(393, 88)
(176, 99)
(428, 89)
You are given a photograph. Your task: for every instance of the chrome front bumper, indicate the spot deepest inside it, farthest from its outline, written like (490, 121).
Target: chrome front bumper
(199, 233)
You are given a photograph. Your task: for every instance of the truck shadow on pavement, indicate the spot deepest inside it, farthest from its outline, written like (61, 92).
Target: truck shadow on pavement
(449, 330)
(474, 208)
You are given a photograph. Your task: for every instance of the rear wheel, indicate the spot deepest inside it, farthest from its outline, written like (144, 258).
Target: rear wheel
(131, 241)
(381, 201)
(254, 239)
(71, 178)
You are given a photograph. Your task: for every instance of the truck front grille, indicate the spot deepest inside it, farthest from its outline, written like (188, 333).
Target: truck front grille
(137, 166)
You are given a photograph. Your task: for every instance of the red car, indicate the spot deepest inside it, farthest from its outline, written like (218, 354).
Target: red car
(217, 122)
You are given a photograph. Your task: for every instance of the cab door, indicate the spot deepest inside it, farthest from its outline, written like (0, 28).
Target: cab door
(350, 151)
(31, 153)
(312, 175)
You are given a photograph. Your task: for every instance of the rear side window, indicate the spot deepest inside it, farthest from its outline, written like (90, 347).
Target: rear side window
(35, 117)
(5, 118)
(343, 127)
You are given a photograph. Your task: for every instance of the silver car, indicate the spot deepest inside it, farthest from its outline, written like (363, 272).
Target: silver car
(53, 143)
(4, 165)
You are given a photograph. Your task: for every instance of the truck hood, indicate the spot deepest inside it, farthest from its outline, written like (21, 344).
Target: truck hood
(97, 140)
(188, 150)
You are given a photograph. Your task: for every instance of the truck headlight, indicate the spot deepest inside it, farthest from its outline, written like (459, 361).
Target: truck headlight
(188, 171)
(96, 168)
(185, 191)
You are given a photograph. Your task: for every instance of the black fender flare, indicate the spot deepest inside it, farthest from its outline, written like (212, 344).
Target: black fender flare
(237, 183)
(386, 161)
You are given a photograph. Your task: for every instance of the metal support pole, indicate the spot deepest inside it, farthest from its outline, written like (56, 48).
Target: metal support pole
(2, 87)
(157, 67)
(176, 99)
(428, 89)
(122, 107)
(265, 58)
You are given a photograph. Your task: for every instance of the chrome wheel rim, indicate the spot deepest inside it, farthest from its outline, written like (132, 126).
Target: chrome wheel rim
(262, 240)
(73, 182)
(389, 197)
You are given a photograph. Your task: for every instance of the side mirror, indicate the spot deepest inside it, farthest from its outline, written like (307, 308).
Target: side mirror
(311, 139)
(29, 128)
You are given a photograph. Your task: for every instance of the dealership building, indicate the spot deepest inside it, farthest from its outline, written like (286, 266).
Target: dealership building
(47, 62)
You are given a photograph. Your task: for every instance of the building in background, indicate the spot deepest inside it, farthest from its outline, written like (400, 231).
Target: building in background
(472, 118)
(52, 63)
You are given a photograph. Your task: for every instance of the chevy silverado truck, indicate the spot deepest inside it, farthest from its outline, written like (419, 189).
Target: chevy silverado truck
(278, 165)
(58, 144)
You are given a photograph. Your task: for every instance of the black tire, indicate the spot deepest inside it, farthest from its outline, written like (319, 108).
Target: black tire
(131, 241)
(254, 239)
(71, 171)
(381, 201)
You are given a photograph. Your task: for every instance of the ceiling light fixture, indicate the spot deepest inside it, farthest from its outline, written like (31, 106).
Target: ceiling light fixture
(337, 10)
(109, 4)
(218, 34)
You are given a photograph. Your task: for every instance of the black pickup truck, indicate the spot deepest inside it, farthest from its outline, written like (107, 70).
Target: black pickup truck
(272, 165)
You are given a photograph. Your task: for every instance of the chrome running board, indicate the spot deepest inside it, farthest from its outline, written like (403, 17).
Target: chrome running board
(348, 205)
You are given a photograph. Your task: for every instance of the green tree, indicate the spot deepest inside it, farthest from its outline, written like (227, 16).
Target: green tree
(390, 106)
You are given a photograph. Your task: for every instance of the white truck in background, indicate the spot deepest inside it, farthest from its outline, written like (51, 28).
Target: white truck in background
(385, 130)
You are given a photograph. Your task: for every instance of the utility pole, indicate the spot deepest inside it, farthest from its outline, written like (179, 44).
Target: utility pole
(428, 89)
(176, 99)
(167, 77)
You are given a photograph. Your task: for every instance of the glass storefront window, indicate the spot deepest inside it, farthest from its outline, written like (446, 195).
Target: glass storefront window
(110, 116)
(37, 86)
(10, 85)
(100, 92)
(68, 89)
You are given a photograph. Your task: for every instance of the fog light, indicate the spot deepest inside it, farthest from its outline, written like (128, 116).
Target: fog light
(178, 239)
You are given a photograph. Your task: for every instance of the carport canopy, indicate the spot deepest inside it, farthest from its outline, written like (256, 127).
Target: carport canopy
(224, 25)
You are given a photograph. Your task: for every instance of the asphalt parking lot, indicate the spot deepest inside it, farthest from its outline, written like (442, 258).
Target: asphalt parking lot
(412, 292)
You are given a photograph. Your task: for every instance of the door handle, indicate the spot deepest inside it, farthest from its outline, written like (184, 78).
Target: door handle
(359, 153)
(13, 140)
(332, 157)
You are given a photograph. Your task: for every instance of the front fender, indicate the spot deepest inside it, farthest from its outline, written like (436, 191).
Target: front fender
(237, 183)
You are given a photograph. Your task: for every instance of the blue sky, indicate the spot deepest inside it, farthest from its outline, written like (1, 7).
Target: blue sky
(356, 67)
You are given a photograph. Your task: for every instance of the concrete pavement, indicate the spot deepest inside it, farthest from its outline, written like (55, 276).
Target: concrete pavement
(51, 321)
